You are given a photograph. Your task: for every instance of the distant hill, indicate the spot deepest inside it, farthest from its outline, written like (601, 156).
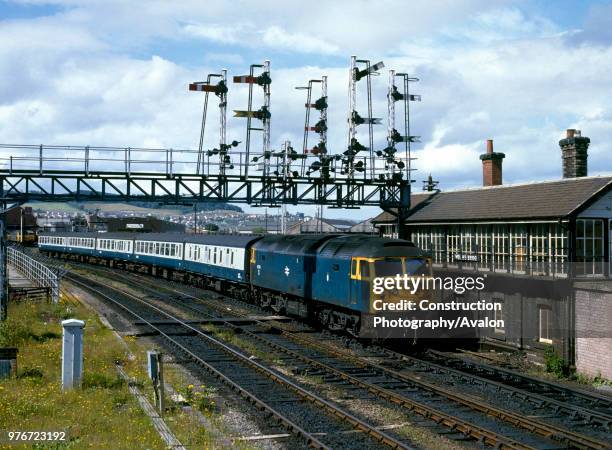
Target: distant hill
(203, 206)
(138, 207)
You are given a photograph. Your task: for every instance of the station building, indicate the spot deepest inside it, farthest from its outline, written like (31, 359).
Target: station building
(545, 248)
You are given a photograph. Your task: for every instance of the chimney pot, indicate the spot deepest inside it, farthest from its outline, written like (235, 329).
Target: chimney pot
(574, 154)
(491, 166)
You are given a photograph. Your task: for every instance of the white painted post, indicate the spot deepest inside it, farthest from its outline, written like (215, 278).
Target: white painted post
(72, 353)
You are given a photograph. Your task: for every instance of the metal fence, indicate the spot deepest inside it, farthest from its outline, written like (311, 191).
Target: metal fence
(35, 271)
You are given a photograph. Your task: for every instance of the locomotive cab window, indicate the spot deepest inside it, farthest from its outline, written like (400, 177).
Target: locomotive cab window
(364, 269)
(360, 268)
(389, 267)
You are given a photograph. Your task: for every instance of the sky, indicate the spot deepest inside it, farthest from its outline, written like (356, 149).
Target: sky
(115, 73)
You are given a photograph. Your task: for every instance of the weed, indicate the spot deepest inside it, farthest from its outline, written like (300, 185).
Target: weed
(99, 380)
(47, 335)
(120, 400)
(595, 381)
(13, 333)
(205, 398)
(187, 393)
(31, 372)
(554, 363)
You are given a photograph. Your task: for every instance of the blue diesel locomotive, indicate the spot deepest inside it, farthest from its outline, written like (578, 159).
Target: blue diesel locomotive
(324, 277)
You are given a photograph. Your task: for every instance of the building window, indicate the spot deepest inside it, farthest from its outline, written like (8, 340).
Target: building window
(453, 244)
(589, 246)
(499, 241)
(498, 314)
(539, 248)
(483, 246)
(518, 244)
(545, 325)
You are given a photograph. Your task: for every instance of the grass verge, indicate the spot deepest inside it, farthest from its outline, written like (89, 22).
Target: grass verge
(102, 414)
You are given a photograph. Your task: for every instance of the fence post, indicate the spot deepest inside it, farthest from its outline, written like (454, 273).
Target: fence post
(3, 273)
(72, 353)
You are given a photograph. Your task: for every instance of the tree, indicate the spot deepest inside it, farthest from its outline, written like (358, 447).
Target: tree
(211, 227)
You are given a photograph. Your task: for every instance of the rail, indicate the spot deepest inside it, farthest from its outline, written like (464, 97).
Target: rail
(35, 271)
(326, 406)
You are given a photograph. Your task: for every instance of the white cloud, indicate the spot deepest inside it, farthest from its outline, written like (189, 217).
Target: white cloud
(273, 37)
(279, 38)
(218, 33)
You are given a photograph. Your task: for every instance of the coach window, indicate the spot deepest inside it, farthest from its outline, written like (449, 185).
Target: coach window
(545, 324)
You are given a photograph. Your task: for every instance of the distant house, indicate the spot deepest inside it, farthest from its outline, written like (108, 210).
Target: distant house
(143, 225)
(364, 227)
(136, 224)
(15, 218)
(316, 225)
(54, 224)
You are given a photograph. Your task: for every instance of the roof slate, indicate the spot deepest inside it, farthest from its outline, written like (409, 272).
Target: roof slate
(551, 199)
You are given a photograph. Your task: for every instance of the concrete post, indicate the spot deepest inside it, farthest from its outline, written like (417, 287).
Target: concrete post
(72, 353)
(156, 374)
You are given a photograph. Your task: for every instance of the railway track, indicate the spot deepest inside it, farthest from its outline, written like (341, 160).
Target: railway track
(553, 391)
(251, 379)
(400, 388)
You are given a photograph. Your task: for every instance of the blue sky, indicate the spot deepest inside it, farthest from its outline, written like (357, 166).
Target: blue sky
(115, 73)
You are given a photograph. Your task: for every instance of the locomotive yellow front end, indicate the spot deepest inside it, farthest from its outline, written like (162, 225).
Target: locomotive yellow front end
(399, 294)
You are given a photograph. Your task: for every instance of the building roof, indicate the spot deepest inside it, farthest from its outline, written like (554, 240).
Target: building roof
(313, 225)
(541, 200)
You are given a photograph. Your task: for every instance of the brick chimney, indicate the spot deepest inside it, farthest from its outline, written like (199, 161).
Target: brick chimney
(574, 154)
(491, 166)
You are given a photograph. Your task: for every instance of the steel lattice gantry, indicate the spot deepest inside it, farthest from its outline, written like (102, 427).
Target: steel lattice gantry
(170, 176)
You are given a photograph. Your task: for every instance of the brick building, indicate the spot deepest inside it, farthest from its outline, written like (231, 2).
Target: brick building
(537, 243)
